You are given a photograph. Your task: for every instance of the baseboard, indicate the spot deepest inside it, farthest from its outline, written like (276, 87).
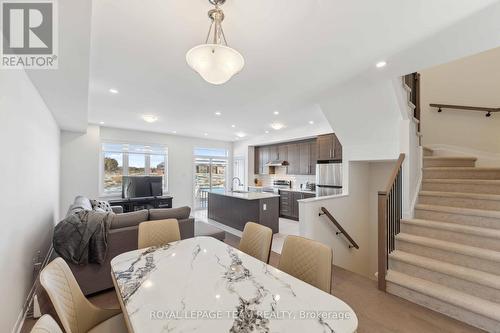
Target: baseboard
(29, 299)
(484, 158)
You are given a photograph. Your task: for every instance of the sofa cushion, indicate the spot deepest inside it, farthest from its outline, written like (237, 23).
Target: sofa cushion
(180, 213)
(104, 205)
(129, 219)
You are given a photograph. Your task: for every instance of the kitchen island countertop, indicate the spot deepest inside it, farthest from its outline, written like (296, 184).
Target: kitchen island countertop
(246, 195)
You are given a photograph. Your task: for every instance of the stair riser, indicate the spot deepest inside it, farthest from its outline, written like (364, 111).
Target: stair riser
(461, 174)
(456, 237)
(477, 221)
(450, 257)
(464, 188)
(458, 313)
(427, 152)
(460, 202)
(448, 163)
(449, 281)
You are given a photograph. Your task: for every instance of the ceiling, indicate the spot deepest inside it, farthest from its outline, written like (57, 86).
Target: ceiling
(292, 50)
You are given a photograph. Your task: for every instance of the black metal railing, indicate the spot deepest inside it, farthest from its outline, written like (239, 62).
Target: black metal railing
(390, 212)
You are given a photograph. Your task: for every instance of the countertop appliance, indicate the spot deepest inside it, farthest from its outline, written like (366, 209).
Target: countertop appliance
(328, 178)
(277, 186)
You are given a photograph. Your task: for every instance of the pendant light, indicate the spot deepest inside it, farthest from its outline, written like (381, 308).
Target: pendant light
(215, 61)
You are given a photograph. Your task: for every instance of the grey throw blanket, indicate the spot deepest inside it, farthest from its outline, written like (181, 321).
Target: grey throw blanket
(83, 237)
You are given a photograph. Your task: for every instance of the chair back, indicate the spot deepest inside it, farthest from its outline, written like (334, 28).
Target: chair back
(76, 313)
(46, 324)
(256, 241)
(307, 260)
(158, 233)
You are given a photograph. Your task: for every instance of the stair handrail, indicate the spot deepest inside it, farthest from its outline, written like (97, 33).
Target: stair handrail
(488, 111)
(341, 231)
(390, 202)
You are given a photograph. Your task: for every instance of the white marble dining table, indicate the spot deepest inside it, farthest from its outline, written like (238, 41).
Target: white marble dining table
(204, 285)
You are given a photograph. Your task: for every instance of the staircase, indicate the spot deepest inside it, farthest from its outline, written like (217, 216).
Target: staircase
(447, 258)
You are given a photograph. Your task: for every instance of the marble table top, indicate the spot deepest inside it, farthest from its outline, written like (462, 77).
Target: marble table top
(203, 285)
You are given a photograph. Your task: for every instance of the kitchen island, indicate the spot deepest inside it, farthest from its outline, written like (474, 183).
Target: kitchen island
(235, 209)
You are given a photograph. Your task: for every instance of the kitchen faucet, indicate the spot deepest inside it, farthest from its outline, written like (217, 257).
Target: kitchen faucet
(232, 182)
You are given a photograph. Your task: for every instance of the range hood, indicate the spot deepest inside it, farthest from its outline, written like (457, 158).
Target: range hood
(276, 163)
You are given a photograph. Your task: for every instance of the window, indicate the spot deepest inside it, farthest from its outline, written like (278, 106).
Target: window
(210, 173)
(119, 159)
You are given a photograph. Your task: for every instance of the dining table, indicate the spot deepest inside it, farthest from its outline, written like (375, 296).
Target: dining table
(204, 285)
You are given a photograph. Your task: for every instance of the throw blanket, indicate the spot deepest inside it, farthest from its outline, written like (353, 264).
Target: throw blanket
(83, 237)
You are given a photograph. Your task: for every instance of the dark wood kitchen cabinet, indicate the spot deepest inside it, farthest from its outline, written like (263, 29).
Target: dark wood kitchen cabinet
(328, 147)
(289, 205)
(256, 161)
(293, 160)
(273, 153)
(304, 158)
(313, 158)
(283, 152)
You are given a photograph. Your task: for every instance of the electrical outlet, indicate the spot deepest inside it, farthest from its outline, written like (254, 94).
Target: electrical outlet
(264, 206)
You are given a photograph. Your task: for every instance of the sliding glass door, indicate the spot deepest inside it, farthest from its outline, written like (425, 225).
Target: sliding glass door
(210, 174)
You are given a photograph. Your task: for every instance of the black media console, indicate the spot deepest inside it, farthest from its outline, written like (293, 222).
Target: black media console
(133, 204)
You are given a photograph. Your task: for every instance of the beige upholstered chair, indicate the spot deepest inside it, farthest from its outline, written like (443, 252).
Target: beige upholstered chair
(46, 324)
(157, 233)
(76, 313)
(256, 241)
(307, 260)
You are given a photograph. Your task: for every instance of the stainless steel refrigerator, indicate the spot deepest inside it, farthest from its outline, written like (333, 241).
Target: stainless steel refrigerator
(328, 179)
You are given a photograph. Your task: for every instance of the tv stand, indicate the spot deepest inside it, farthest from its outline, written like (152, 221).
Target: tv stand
(134, 204)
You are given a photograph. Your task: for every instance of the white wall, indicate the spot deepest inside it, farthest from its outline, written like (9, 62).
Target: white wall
(471, 81)
(80, 161)
(355, 211)
(29, 195)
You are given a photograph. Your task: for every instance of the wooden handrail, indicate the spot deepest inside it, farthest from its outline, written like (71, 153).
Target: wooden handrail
(339, 227)
(389, 218)
(394, 174)
(488, 111)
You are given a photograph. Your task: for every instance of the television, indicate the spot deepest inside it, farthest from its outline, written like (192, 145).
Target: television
(142, 186)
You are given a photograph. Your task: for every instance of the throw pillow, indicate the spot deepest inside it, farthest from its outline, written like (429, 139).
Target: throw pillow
(104, 205)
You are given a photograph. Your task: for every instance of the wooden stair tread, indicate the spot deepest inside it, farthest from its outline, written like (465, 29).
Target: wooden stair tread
(462, 181)
(450, 158)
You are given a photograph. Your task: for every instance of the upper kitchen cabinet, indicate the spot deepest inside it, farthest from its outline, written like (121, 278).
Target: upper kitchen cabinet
(273, 153)
(283, 152)
(304, 158)
(328, 147)
(293, 160)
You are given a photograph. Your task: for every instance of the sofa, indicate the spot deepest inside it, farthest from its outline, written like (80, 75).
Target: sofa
(122, 237)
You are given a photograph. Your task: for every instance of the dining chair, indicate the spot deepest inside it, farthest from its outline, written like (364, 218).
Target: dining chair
(76, 313)
(158, 233)
(46, 324)
(307, 260)
(256, 241)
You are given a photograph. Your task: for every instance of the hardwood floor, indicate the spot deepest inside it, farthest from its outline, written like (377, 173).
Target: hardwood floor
(377, 311)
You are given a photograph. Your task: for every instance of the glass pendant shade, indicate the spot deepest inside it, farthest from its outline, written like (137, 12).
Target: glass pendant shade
(216, 63)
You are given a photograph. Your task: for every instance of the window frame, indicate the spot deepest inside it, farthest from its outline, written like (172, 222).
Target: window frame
(125, 164)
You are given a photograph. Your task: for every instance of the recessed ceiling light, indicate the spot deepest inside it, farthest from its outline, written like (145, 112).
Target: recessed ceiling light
(311, 122)
(381, 64)
(205, 134)
(175, 132)
(267, 132)
(276, 113)
(241, 134)
(218, 113)
(233, 126)
(277, 126)
(101, 122)
(113, 91)
(149, 118)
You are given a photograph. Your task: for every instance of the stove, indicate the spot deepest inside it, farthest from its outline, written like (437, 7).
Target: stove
(277, 186)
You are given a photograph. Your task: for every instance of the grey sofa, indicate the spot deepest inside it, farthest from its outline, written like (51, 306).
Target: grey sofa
(122, 237)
